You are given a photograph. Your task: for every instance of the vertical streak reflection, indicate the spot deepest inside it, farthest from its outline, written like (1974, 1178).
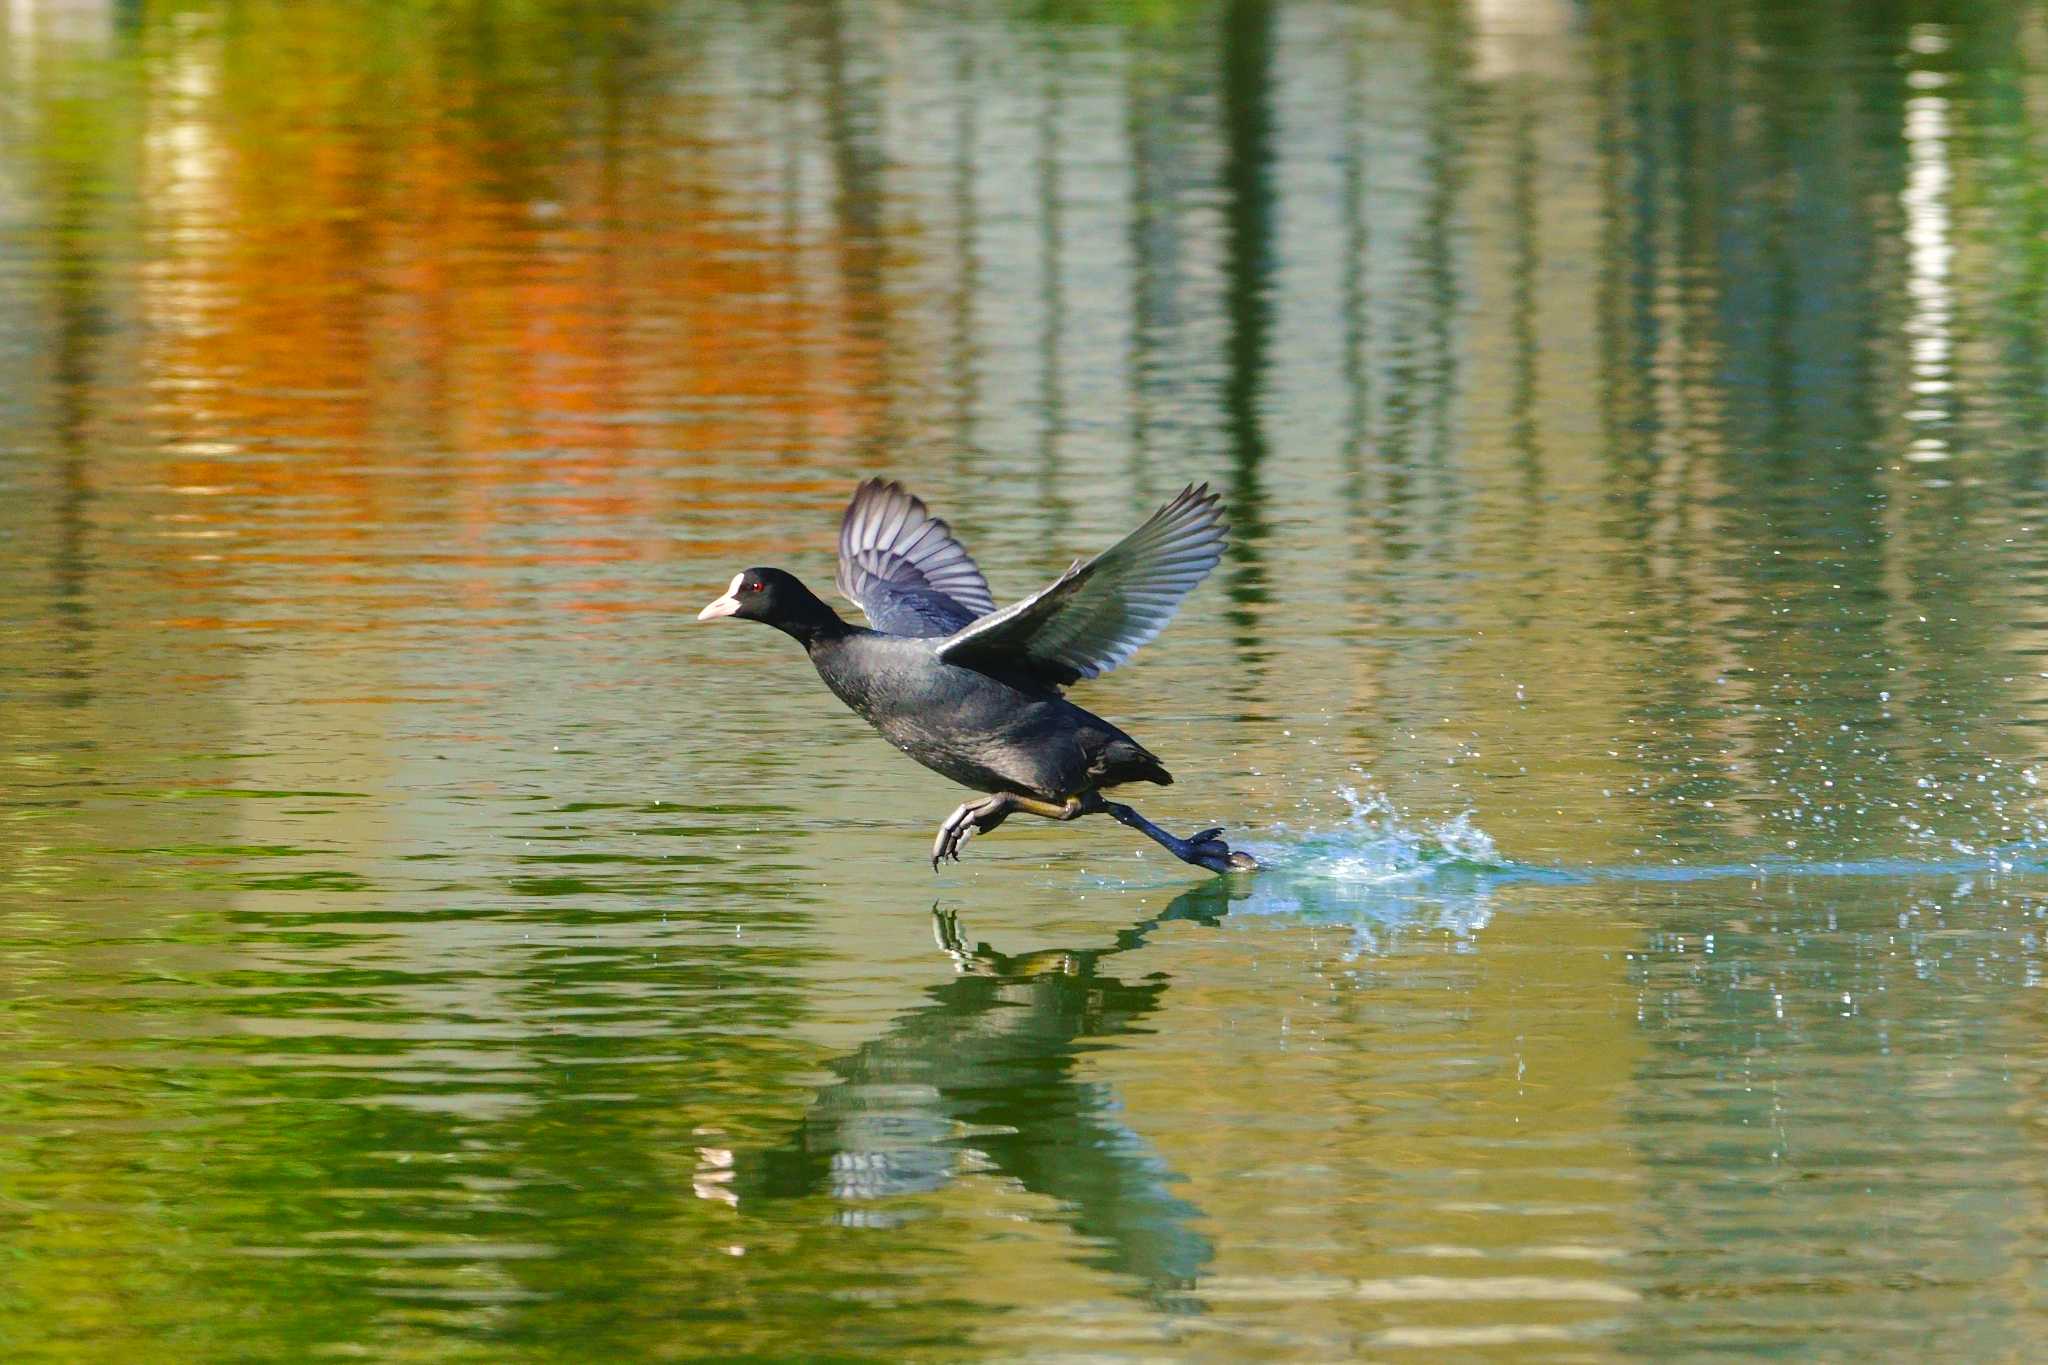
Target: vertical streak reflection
(1248, 139)
(1930, 252)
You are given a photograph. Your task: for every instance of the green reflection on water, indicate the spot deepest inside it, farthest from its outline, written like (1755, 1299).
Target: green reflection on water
(985, 1078)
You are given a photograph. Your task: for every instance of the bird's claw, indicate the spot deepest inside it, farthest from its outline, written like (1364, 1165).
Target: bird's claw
(962, 825)
(1206, 850)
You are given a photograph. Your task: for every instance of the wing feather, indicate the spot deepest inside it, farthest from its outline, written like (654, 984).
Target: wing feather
(1097, 614)
(901, 565)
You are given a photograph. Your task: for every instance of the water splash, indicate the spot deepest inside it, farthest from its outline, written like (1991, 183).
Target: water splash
(1381, 874)
(1377, 845)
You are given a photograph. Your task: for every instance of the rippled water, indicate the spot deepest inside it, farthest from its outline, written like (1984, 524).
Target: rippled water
(419, 940)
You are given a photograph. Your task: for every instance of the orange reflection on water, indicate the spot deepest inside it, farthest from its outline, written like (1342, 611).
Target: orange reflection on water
(369, 312)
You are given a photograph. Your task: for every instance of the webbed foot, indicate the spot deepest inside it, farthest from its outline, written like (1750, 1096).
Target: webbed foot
(1204, 849)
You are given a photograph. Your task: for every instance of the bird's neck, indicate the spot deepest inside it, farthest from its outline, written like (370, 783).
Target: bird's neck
(812, 623)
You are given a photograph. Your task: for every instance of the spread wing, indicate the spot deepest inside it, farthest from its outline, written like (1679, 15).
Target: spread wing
(1095, 615)
(901, 565)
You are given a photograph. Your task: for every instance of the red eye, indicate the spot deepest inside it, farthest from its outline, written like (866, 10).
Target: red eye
(754, 587)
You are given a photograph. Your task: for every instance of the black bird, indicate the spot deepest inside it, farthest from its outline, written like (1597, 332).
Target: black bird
(974, 693)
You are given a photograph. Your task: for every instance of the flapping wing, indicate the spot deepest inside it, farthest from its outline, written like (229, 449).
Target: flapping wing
(1095, 615)
(901, 565)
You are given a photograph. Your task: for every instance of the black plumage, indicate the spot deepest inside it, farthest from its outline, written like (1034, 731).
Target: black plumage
(974, 693)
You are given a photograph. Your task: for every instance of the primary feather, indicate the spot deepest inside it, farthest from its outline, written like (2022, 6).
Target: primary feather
(1096, 615)
(902, 566)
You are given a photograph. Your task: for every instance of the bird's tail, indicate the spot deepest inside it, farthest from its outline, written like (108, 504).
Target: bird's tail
(1125, 760)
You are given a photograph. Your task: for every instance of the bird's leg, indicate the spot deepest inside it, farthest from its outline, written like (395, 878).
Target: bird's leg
(968, 819)
(979, 817)
(1073, 808)
(1203, 848)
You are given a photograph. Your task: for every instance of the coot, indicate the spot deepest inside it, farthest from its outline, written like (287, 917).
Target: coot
(975, 693)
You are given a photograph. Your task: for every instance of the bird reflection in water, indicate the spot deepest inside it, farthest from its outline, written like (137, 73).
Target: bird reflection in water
(985, 1078)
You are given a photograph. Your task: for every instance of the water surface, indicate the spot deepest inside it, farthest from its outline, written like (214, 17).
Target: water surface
(418, 940)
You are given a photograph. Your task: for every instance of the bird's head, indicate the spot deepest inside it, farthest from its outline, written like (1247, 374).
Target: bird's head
(777, 598)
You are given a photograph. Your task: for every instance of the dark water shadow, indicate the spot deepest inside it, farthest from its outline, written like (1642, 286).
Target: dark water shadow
(985, 1077)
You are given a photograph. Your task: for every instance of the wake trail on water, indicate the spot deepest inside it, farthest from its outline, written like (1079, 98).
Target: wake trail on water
(1378, 846)
(1381, 868)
